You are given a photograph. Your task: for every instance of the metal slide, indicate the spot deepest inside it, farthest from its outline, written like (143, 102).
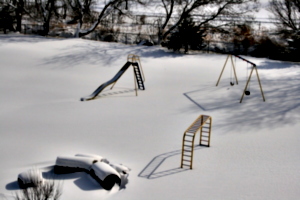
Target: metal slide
(104, 85)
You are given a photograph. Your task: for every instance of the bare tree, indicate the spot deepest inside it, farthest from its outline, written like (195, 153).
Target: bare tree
(168, 7)
(6, 17)
(43, 11)
(287, 12)
(243, 37)
(18, 8)
(40, 11)
(206, 11)
(82, 8)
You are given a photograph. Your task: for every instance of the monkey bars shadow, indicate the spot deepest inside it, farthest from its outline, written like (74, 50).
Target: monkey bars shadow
(151, 170)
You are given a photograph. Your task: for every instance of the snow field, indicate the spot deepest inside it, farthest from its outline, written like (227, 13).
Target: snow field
(254, 145)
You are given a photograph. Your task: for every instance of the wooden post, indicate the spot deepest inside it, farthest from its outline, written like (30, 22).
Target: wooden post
(262, 93)
(222, 70)
(249, 78)
(232, 65)
(247, 85)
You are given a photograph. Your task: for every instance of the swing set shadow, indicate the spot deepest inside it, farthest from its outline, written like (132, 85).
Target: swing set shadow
(254, 67)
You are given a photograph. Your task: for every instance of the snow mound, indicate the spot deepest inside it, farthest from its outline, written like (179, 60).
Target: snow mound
(30, 178)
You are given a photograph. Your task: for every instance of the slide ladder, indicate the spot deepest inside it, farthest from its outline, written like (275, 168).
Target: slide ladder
(138, 76)
(202, 124)
(132, 60)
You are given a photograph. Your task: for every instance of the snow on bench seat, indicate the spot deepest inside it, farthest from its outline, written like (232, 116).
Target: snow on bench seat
(107, 174)
(100, 158)
(70, 164)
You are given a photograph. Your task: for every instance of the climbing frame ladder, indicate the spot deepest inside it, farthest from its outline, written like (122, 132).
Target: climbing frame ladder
(202, 124)
(137, 71)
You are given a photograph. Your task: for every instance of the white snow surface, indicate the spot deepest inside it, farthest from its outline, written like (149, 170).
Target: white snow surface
(255, 145)
(75, 161)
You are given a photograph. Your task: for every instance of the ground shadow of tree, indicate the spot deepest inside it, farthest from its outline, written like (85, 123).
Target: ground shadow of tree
(102, 54)
(20, 38)
(272, 64)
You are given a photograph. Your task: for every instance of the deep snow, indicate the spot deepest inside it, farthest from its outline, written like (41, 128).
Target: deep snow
(254, 151)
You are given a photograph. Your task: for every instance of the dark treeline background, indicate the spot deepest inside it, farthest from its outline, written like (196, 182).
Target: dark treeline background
(225, 26)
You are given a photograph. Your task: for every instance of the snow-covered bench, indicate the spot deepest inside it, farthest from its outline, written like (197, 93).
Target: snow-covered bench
(77, 163)
(107, 174)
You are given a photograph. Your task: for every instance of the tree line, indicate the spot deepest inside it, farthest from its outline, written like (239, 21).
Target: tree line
(177, 27)
(83, 12)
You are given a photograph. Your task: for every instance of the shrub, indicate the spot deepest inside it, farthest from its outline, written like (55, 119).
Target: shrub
(49, 190)
(268, 48)
(187, 36)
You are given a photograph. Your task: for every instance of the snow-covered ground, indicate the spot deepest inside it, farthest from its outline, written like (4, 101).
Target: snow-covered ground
(255, 145)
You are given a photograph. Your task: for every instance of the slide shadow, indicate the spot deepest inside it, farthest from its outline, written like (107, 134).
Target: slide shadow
(117, 92)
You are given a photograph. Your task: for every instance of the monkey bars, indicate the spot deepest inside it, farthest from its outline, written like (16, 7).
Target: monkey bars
(202, 124)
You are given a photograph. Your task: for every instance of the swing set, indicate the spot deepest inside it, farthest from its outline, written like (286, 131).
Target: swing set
(247, 87)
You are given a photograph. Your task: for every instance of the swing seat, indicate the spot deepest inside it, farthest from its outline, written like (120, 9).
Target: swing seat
(232, 83)
(247, 92)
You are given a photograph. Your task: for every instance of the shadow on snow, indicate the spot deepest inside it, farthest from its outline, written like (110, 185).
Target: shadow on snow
(103, 54)
(151, 170)
(81, 179)
(282, 103)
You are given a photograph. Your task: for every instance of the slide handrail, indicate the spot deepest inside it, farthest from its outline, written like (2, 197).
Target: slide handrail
(136, 58)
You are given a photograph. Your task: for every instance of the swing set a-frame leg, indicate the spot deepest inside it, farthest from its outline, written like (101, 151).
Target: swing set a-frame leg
(222, 70)
(261, 90)
(232, 65)
(248, 81)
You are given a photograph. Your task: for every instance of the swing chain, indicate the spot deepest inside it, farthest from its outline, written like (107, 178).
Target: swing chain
(247, 91)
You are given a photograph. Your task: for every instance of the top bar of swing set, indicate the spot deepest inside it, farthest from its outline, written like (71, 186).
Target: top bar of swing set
(254, 65)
